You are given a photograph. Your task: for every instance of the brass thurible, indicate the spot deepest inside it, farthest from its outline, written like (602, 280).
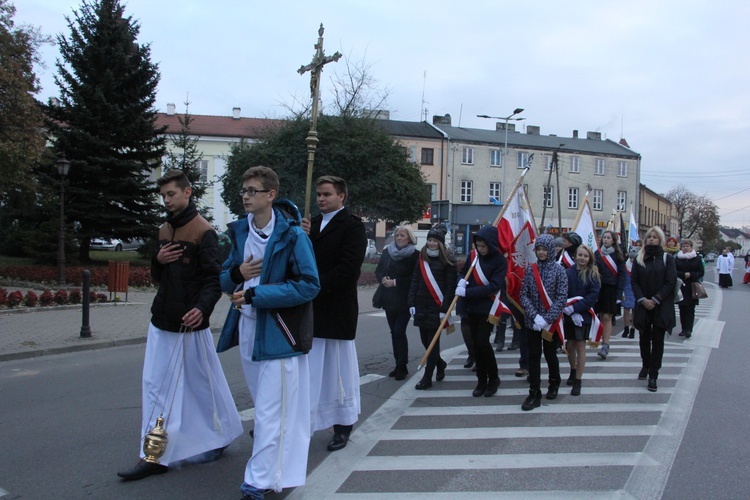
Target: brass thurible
(155, 442)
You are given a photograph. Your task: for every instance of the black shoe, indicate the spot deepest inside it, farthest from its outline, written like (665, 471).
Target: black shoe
(652, 384)
(492, 386)
(625, 332)
(552, 391)
(513, 346)
(681, 334)
(688, 335)
(576, 391)
(440, 375)
(423, 384)
(632, 333)
(469, 362)
(142, 470)
(479, 391)
(534, 400)
(643, 374)
(474, 369)
(393, 372)
(337, 442)
(400, 372)
(572, 377)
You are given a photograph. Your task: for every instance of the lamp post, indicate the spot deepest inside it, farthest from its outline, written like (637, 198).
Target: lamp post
(63, 167)
(505, 149)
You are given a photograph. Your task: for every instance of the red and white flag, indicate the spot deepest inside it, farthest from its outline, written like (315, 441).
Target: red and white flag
(516, 235)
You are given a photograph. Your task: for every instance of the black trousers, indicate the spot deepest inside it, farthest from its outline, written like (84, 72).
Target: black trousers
(484, 354)
(651, 341)
(398, 320)
(687, 316)
(426, 335)
(537, 345)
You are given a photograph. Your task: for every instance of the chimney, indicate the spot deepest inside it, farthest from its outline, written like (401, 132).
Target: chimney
(597, 136)
(533, 130)
(236, 113)
(170, 109)
(441, 120)
(500, 126)
(575, 134)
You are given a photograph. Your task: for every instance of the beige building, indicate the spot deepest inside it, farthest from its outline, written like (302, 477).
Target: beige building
(655, 210)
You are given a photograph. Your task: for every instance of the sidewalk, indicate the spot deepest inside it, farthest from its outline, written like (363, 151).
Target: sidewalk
(54, 330)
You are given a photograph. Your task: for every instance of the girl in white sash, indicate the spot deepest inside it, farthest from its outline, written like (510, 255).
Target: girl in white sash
(611, 266)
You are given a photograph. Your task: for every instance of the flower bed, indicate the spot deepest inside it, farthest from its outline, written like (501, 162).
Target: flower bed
(138, 277)
(16, 299)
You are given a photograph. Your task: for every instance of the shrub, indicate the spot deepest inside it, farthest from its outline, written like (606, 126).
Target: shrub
(3, 296)
(31, 299)
(101, 297)
(61, 297)
(14, 299)
(46, 299)
(75, 296)
(92, 297)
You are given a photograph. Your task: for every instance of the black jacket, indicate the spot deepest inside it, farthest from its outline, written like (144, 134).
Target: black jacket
(479, 298)
(693, 266)
(427, 313)
(339, 252)
(192, 282)
(395, 298)
(654, 281)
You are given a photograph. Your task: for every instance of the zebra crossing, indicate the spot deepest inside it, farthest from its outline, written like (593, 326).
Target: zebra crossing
(615, 440)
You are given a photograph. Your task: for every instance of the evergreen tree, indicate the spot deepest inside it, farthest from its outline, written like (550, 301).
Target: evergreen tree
(105, 125)
(185, 155)
(383, 183)
(21, 118)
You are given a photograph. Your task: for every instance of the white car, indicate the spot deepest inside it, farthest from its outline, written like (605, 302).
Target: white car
(115, 244)
(370, 251)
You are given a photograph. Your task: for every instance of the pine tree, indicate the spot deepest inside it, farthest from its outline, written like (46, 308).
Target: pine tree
(185, 155)
(105, 125)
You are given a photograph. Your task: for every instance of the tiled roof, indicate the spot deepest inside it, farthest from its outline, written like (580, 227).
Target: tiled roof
(410, 129)
(517, 139)
(731, 232)
(219, 126)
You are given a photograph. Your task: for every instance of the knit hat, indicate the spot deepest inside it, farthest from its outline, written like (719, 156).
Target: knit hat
(573, 238)
(545, 240)
(438, 232)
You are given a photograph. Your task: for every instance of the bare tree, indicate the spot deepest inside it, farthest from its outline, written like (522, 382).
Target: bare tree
(695, 214)
(357, 92)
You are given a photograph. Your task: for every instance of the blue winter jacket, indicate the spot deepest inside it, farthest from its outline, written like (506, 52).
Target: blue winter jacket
(289, 253)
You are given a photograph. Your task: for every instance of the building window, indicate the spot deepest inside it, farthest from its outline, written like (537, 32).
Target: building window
(622, 200)
(467, 157)
(496, 158)
(622, 169)
(573, 198)
(599, 167)
(523, 158)
(428, 155)
(547, 200)
(575, 165)
(547, 162)
(596, 199)
(467, 191)
(433, 191)
(202, 167)
(495, 190)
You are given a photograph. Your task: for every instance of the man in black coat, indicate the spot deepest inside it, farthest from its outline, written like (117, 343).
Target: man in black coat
(339, 241)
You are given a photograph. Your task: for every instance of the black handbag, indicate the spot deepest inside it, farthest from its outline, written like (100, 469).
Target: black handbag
(377, 297)
(296, 324)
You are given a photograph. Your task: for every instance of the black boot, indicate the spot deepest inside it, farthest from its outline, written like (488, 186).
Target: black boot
(479, 390)
(441, 366)
(469, 362)
(572, 377)
(632, 333)
(534, 400)
(492, 386)
(425, 383)
(552, 389)
(625, 332)
(576, 391)
(400, 372)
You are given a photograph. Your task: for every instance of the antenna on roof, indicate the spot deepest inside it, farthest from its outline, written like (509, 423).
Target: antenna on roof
(423, 111)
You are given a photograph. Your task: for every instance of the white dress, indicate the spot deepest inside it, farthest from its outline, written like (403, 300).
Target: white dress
(184, 382)
(281, 395)
(334, 383)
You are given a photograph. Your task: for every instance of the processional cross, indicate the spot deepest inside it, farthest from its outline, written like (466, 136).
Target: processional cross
(315, 68)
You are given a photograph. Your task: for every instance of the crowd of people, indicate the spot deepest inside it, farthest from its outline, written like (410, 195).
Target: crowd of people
(303, 373)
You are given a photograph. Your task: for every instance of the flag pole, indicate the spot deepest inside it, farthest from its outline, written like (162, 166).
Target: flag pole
(499, 217)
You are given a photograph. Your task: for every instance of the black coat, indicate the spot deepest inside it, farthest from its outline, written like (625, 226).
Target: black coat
(655, 280)
(427, 313)
(339, 252)
(693, 266)
(395, 298)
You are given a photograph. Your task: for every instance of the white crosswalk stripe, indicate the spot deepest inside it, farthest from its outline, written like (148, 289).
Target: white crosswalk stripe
(615, 440)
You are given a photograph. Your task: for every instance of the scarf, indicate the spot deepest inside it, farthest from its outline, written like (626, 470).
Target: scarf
(397, 253)
(607, 250)
(433, 253)
(652, 250)
(691, 254)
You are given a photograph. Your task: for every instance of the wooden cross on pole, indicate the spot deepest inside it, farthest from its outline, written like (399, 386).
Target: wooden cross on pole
(315, 68)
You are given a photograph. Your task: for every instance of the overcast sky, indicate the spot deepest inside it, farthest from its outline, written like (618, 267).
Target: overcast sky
(671, 77)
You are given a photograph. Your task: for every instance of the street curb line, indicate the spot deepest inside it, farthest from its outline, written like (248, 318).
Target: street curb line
(101, 344)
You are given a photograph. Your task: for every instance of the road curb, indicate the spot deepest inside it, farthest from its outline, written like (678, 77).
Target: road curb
(99, 344)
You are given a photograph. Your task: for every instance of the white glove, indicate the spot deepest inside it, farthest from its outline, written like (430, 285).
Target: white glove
(461, 291)
(568, 310)
(539, 323)
(577, 319)
(412, 310)
(618, 302)
(442, 315)
(462, 283)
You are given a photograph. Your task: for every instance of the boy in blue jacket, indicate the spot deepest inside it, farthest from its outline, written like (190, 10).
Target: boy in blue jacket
(271, 265)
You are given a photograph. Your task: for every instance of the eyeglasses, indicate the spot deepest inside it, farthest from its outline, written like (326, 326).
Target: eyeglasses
(252, 191)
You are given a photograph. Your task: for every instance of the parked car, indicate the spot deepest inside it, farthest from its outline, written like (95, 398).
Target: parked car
(370, 251)
(711, 257)
(115, 244)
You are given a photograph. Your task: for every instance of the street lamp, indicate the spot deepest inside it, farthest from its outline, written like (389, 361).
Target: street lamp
(63, 167)
(505, 149)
